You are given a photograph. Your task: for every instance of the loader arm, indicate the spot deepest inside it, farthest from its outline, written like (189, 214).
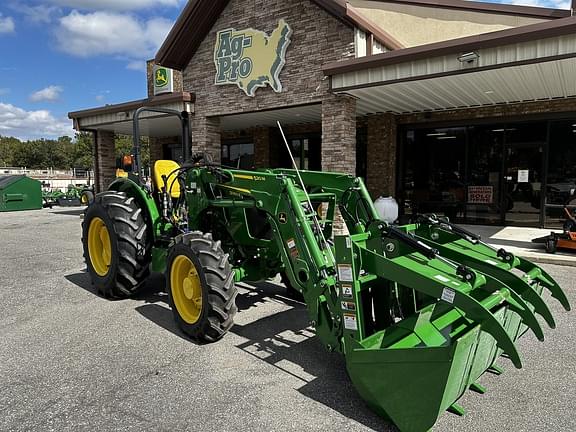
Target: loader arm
(396, 301)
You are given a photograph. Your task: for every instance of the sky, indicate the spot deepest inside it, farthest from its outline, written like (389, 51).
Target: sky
(58, 56)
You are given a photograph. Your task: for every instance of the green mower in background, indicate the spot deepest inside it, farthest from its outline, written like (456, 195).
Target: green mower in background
(420, 312)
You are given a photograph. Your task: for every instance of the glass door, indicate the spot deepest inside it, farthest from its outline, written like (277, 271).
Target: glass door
(522, 186)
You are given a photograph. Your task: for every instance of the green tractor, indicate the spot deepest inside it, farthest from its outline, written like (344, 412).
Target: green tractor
(420, 311)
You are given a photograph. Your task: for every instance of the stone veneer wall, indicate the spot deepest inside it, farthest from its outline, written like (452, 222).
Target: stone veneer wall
(381, 155)
(317, 38)
(105, 159)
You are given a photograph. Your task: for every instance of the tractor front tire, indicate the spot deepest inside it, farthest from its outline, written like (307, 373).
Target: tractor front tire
(200, 285)
(87, 197)
(117, 244)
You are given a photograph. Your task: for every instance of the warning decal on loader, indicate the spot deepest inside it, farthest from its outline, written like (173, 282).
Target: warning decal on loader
(350, 322)
(448, 295)
(345, 273)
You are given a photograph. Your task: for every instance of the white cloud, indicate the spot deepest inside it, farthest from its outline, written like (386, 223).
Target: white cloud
(24, 124)
(116, 4)
(48, 94)
(137, 65)
(6, 24)
(99, 98)
(40, 14)
(554, 4)
(108, 33)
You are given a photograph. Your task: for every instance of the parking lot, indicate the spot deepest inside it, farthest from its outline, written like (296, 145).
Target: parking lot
(71, 360)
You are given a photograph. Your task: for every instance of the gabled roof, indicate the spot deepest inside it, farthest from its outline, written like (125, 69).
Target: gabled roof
(199, 16)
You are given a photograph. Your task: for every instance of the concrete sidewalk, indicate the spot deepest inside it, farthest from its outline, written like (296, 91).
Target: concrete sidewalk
(518, 240)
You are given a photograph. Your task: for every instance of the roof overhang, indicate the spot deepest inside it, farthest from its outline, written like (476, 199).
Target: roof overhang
(118, 118)
(296, 115)
(536, 62)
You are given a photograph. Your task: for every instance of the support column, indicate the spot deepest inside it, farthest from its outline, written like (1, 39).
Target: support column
(261, 147)
(339, 142)
(155, 150)
(381, 151)
(339, 134)
(105, 160)
(206, 136)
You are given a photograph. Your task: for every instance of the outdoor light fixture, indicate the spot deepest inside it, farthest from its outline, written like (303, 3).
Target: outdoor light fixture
(445, 137)
(468, 57)
(437, 134)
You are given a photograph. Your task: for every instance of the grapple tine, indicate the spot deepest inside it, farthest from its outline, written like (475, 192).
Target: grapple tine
(487, 264)
(474, 310)
(521, 308)
(535, 272)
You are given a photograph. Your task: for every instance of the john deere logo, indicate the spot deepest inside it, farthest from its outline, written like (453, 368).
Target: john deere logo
(161, 78)
(250, 58)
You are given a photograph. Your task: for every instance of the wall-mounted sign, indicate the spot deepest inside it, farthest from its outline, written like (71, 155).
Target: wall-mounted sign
(250, 58)
(480, 194)
(163, 80)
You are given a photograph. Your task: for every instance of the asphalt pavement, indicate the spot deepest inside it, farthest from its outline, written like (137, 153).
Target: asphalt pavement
(73, 361)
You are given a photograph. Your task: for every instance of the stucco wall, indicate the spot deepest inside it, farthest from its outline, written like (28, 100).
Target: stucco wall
(418, 25)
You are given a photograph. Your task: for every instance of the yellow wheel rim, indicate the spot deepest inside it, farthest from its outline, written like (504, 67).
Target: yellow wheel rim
(186, 289)
(84, 199)
(99, 246)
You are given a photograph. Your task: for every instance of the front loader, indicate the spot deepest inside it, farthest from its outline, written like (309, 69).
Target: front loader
(420, 312)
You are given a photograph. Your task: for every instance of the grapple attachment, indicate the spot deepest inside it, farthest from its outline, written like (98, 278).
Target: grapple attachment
(427, 311)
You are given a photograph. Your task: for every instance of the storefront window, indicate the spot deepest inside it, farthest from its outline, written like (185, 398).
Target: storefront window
(238, 155)
(433, 180)
(487, 174)
(486, 145)
(561, 178)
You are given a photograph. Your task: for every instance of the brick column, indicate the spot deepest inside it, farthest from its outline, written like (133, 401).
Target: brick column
(206, 136)
(339, 141)
(339, 134)
(381, 151)
(261, 147)
(105, 160)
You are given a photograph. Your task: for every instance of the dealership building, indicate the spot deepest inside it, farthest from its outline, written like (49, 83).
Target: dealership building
(455, 107)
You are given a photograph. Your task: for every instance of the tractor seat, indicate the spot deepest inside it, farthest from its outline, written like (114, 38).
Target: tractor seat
(167, 168)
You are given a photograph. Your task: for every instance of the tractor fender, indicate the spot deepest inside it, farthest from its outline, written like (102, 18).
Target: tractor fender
(144, 199)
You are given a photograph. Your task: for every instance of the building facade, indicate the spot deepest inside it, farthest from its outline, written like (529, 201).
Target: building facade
(453, 107)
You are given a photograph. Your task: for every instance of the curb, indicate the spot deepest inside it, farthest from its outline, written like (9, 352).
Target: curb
(541, 258)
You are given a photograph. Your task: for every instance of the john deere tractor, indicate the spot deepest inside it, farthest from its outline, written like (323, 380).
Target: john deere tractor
(420, 311)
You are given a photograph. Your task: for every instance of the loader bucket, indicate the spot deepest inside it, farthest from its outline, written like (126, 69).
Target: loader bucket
(441, 323)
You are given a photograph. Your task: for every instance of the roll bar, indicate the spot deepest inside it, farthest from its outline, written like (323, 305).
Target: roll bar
(185, 122)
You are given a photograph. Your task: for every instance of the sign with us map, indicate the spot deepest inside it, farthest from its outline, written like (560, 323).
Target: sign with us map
(251, 59)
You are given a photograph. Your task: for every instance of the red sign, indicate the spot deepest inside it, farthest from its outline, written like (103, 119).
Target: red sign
(480, 194)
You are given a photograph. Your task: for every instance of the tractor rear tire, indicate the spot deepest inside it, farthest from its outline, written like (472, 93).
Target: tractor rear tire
(117, 244)
(200, 285)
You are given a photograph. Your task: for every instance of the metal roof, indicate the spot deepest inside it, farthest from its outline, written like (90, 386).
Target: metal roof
(524, 71)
